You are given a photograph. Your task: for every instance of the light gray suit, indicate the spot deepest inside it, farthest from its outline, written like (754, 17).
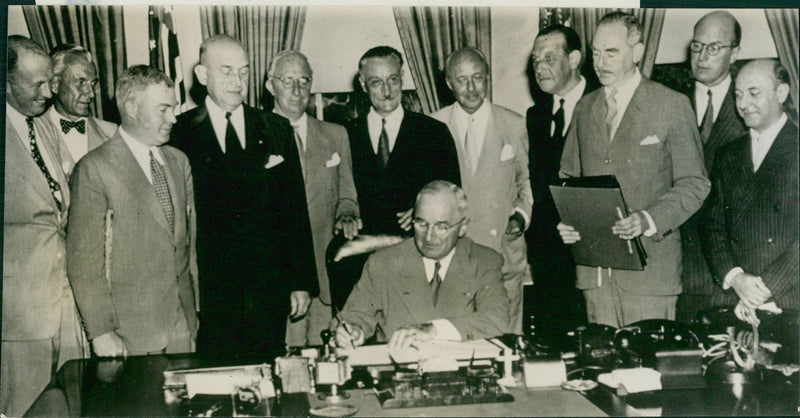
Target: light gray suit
(98, 131)
(150, 282)
(500, 184)
(38, 306)
(330, 192)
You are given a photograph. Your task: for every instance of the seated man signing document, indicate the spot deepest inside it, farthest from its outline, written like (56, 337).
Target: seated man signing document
(440, 285)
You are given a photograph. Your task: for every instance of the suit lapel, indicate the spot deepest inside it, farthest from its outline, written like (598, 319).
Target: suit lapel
(50, 141)
(629, 120)
(318, 150)
(456, 289)
(598, 117)
(19, 159)
(458, 138)
(493, 142)
(414, 288)
(93, 133)
(207, 136)
(723, 129)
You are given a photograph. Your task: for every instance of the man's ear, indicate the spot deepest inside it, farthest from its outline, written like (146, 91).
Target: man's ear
(783, 92)
(269, 85)
(735, 54)
(55, 82)
(638, 52)
(462, 230)
(362, 82)
(201, 71)
(574, 59)
(130, 107)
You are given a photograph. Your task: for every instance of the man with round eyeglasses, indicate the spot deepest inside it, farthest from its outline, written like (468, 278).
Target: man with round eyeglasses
(713, 49)
(439, 285)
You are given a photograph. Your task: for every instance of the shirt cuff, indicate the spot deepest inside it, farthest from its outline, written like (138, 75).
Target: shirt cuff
(652, 230)
(445, 330)
(524, 216)
(726, 282)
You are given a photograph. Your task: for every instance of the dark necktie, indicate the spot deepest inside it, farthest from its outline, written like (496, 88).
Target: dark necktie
(435, 283)
(232, 144)
(383, 145)
(162, 190)
(55, 188)
(79, 125)
(558, 120)
(708, 119)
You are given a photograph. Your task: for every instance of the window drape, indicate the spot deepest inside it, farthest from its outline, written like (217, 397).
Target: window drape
(263, 30)
(429, 35)
(99, 29)
(783, 23)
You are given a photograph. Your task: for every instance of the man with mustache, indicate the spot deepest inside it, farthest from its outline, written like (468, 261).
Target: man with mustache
(493, 158)
(646, 136)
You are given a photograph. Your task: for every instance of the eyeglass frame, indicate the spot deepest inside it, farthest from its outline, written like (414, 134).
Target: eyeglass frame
(418, 224)
(535, 62)
(289, 82)
(377, 83)
(712, 49)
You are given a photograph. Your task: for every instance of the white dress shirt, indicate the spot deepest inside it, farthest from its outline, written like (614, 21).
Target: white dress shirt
(141, 153)
(718, 94)
(220, 123)
(761, 142)
(20, 125)
(445, 330)
(374, 124)
(77, 143)
(300, 126)
(480, 120)
(570, 100)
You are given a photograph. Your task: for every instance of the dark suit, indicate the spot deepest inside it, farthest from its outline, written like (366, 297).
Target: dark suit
(393, 292)
(424, 151)
(556, 305)
(752, 218)
(657, 158)
(695, 277)
(148, 282)
(254, 243)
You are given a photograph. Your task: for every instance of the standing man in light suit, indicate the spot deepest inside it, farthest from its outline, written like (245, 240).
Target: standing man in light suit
(328, 174)
(41, 329)
(493, 156)
(73, 86)
(645, 135)
(714, 47)
(131, 236)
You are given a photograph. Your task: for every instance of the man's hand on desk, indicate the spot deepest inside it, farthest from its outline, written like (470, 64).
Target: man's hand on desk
(746, 314)
(300, 301)
(630, 227)
(349, 335)
(405, 336)
(568, 234)
(751, 290)
(404, 219)
(109, 345)
(348, 225)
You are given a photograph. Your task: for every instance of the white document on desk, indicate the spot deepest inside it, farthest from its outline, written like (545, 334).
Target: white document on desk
(376, 355)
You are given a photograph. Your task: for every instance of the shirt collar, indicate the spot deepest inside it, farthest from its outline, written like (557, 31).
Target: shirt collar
(479, 115)
(444, 265)
(770, 133)
(140, 150)
(18, 121)
(720, 90)
(56, 115)
(627, 88)
(573, 95)
(392, 119)
(300, 125)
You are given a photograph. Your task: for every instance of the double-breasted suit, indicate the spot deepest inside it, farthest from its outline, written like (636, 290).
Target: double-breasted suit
(752, 218)
(131, 273)
(656, 156)
(696, 277)
(393, 292)
(254, 244)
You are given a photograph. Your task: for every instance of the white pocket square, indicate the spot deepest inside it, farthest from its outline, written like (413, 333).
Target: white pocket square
(507, 153)
(650, 140)
(273, 161)
(334, 161)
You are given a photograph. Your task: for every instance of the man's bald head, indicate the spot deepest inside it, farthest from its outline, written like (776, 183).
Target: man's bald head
(215, 43)
(720, 33)
(724, 20)
(467, 54)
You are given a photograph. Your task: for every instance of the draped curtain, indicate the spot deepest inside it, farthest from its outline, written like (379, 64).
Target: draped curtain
(783, 23)
(263, 30)
(97, 28)
(429, 35)
(584, 21)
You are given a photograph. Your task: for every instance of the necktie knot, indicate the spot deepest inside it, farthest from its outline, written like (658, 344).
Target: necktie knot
(67, 125)
(611, 104)
(558, 119)
(228, 116)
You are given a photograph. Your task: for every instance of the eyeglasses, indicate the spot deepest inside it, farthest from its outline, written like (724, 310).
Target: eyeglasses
(289, 82)
(711, 49)
(440, 229)
(393, 81)
(548, 59)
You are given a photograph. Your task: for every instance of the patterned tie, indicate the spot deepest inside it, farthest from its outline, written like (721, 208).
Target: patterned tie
(300, 149)
(558, 120)
(79, 125)
(436, 281)
(383, 145)
(232, 144)
(470, 146)
(162, 190)
(611, 104)
(708, 119)
(55, 188)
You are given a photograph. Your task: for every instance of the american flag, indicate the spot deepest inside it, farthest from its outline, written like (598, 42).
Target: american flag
(164, 52)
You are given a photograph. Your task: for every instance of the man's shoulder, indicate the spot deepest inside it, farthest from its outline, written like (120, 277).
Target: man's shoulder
(104, 152)
(506, 114)
(661, 92)
(327, 128)
(106, 127)
(443, 114)
(484, 257)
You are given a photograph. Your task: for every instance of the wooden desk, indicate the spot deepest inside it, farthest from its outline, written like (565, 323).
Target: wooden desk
(134, 388)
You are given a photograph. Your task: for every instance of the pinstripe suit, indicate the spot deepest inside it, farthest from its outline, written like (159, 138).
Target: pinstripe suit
(695, 277)
(752, 218)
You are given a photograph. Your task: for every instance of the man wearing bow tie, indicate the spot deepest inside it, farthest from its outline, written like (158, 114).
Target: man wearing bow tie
(493, 157)
(255, 253)
(645, 135)
(328, 174)
(41, 328)
(73, 86)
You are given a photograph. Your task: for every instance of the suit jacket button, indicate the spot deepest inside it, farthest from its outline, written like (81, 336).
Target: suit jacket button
(493, 232)
(607, 161)
(770, 241)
